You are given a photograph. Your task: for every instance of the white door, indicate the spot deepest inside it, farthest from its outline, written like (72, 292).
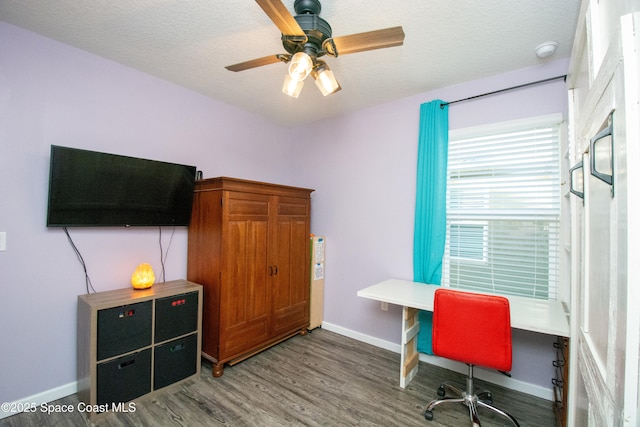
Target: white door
(606, 309)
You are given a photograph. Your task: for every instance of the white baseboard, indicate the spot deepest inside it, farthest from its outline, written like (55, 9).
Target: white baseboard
(490, 376)
(39, 398)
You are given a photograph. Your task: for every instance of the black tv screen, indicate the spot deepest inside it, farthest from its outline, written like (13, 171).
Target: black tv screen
(92, 189)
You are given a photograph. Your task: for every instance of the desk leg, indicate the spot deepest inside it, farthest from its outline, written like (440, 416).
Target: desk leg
(409, 356)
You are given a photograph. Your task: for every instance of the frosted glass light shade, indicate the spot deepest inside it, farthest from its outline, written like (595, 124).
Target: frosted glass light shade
(326, 81)
(300, 66)
(292, 87)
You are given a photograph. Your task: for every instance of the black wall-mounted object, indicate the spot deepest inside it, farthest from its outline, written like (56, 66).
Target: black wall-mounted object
(576, 176)
(601, 152)
(93, 189)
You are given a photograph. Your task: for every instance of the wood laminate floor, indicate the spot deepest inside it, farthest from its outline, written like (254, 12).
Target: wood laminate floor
(322, 379)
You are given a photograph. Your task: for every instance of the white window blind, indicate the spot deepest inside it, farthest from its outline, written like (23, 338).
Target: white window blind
(503, 209)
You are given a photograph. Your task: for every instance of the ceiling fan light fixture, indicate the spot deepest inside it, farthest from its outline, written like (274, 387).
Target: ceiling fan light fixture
(325, 79)
(291, 86)
(300, 66)
(306, 37)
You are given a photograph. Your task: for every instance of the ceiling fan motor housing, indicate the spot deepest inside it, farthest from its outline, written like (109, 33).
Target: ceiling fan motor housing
(307, 6)
(316, 29)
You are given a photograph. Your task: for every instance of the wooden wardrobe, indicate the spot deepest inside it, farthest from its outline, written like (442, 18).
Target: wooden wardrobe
(249, 248)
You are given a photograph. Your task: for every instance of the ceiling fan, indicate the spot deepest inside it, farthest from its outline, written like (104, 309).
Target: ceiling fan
(307, 37)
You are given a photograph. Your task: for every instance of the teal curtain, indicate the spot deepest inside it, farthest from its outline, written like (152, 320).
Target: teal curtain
(430, 214)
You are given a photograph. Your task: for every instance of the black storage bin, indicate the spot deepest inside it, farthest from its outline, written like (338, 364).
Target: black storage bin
(123, 329)
(175, 360)
(125, 378)
(176, 315)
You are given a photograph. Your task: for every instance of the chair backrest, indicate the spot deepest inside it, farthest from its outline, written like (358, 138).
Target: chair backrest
(472, 328)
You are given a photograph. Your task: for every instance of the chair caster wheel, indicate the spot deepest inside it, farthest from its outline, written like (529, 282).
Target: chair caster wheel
(487, 398)
(428, 415)
(441, 391)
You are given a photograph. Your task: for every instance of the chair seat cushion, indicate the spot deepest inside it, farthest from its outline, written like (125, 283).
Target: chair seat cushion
(472, 328)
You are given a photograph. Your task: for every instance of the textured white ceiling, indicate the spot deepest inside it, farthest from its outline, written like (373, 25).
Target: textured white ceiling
(189, 42)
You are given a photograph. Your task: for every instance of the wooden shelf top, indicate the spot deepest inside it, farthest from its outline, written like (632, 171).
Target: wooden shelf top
(131, 296)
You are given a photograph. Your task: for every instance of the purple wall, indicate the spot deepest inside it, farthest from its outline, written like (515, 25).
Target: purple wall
(363, 170)
(361, 165)
(51, 93)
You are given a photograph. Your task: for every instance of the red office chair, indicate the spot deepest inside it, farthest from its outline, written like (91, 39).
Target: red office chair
(474, 329)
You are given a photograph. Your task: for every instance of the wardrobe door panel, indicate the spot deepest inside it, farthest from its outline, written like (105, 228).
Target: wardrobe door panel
(245, 299)
(292, 257)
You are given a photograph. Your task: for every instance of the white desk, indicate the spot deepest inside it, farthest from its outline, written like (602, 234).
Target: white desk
(547, 317)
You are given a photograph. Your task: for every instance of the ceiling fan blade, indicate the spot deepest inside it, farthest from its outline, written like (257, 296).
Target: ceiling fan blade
(259, 62)
(370, 40)
(281, 16)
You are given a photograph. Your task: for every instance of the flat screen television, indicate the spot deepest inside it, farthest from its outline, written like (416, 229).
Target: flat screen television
(92, 189)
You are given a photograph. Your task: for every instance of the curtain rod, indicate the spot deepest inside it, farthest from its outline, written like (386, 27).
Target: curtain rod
(505, 90)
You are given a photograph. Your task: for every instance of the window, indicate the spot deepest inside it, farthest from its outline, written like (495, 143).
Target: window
(468, 240)
(503, 208)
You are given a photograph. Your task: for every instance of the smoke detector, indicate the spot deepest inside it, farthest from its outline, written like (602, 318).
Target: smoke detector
(546, 49)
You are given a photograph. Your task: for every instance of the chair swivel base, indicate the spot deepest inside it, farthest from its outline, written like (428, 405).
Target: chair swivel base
(470, 399)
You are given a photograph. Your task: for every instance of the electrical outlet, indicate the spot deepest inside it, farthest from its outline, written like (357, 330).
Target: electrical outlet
(3, 240)
(384, 306)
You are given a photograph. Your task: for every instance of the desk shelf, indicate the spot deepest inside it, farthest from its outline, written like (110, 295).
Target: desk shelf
(546, 317)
